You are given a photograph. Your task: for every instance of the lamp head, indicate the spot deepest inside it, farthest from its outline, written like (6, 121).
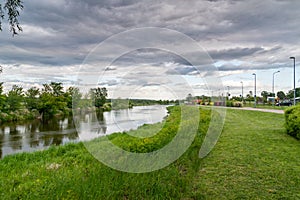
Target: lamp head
(292, 57)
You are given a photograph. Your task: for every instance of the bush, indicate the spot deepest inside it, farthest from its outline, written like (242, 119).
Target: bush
(237, 104)
(292, 121)
(229, 103)
(233, 104)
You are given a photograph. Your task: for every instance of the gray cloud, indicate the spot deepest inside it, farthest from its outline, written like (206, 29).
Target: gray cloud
(60, 33)
(229, 54)
(66, 25)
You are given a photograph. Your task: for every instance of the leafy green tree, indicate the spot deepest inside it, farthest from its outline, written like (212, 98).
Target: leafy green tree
(56, 88)
(265, 95)
(52, 99)
(11, 9)
(73, 97)
(290, 94)
(32, 98)
(98, 96)
(281, 95)
(47, 104)
(2, 97)
(15, 98)
(46, 88)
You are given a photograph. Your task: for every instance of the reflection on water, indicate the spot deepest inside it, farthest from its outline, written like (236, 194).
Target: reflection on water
(37, 134)
(40, 134)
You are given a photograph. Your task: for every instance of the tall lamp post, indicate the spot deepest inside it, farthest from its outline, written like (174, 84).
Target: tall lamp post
(228, 92)
(254, 89)
(242, 92)
(294, 79)
(273, 86)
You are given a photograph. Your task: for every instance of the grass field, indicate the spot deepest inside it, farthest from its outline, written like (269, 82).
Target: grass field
(266, 106)
(253, 159)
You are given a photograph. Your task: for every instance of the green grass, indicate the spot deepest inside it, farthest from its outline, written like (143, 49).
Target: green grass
(71, 172)
(266, 106)
(253, 159)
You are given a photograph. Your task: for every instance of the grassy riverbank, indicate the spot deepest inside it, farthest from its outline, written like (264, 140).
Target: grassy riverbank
(253, 159)
(71, 172)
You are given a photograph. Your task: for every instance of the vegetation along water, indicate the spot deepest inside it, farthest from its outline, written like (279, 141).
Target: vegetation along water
(253, 159)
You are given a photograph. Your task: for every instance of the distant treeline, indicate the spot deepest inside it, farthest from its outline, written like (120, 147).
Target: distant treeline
(53, 99)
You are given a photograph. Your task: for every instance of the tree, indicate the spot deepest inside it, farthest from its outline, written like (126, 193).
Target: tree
(32, 98)
(11, 8)
(56, 88)
(73, 97)
(281, 95)
(290, 94)
(98, 96)
(52, 99)
(2, 97)
(15, 98)
(265, 95)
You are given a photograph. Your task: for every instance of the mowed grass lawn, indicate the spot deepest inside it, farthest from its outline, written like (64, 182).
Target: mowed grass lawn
(253, 159)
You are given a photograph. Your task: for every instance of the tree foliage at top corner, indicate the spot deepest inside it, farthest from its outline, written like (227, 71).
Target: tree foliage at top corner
(11, 9)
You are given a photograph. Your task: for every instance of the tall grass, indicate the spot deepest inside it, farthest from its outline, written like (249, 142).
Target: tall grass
(71, 172)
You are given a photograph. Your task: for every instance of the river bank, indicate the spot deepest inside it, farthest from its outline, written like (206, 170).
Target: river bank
(71, 172)
(39, 134)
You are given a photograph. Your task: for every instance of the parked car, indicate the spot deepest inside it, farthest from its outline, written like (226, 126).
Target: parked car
(284, 103)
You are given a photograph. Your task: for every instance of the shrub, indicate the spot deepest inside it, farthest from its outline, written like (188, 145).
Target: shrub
(233, 104)
(229, 103)
(292, 121)
(237, 104)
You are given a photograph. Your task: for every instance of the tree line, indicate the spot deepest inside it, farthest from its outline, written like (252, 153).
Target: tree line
(52, 99)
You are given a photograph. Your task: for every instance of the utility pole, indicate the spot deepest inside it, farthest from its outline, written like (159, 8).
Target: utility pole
(294, 79)
(242, 92)
(273, 87)
(254, 89)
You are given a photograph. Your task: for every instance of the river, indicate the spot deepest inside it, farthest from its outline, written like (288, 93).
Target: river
(40, 134)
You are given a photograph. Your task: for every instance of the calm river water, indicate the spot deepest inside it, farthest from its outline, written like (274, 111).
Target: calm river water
(38, 134)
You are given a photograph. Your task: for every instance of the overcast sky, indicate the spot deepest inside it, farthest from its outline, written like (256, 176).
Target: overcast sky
(61, 39)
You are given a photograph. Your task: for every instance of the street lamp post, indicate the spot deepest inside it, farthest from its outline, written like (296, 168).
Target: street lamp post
(273, 86)
(294, 79)
(254, 89)
(242, 92)
(228, 92)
